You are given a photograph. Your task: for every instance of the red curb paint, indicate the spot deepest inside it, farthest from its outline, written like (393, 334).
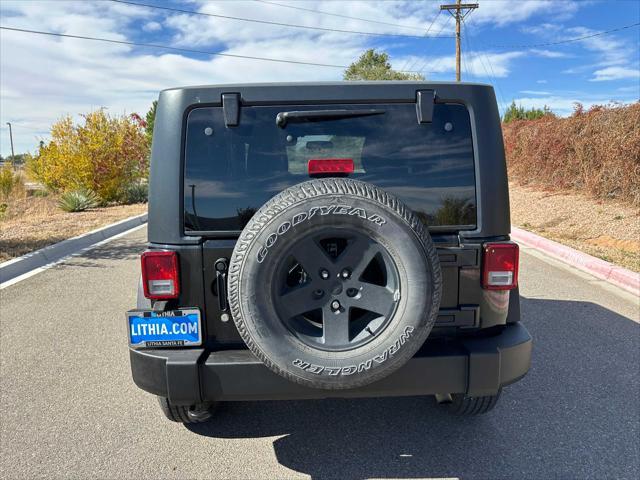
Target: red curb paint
(621, 277)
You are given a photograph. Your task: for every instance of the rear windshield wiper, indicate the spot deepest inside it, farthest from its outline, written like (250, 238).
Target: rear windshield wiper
(317, 115)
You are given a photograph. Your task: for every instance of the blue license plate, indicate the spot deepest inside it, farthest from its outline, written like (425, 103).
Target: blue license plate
(174, 328)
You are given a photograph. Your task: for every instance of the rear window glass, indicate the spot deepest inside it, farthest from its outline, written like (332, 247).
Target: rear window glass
(231, 172)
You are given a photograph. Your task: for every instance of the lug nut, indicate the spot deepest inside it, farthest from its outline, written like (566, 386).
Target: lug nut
(335, 305)
(324, 274)
(346, 273)
(318, 293)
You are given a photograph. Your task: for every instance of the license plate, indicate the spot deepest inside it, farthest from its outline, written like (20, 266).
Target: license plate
(174, 328)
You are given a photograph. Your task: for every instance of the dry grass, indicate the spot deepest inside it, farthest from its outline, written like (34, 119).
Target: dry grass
(596, 152)
(607, 229)
(32, 222)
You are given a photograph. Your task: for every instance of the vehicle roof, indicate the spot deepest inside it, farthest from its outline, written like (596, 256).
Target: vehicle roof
(416, 83)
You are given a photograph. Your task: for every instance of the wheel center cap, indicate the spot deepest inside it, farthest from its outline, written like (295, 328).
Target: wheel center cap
(336, 288)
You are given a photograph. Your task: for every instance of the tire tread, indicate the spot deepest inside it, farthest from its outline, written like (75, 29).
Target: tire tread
(464, 405)
(177, 413)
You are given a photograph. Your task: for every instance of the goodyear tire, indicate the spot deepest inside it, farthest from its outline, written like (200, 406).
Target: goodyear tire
(334, 284)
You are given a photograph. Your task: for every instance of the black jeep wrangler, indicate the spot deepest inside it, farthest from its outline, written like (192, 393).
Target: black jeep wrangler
(317, 240)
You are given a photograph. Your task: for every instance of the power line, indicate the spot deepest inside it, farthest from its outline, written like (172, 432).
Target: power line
(425, 34)
(424, 64)
(166, 47)
(339, 15)
(467, 59)
(570, 40)
(492, 76)
(268, 22)
(177, 49)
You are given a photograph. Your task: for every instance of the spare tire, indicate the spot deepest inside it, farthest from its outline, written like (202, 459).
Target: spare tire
(334, 283)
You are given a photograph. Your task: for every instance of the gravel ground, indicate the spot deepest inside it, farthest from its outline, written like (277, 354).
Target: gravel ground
(32, 222)
(605, 229)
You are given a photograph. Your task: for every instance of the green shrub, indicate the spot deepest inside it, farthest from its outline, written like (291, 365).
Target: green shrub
(41, 193)
(3, 210)
(78, 200)
(136, 193)
(518, 112)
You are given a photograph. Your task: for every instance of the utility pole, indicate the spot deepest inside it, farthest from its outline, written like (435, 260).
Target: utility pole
(459, 11)
(13, 155)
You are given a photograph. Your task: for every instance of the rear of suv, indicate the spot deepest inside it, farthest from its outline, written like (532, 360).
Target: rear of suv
(317, 240)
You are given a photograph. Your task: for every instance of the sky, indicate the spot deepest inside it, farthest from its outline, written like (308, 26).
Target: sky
(505, 43)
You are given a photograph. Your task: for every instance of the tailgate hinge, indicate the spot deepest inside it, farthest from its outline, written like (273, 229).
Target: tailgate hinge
(424, 105)
(231, 109)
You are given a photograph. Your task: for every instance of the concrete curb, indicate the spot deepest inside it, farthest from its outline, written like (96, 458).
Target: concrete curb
(21, 265)
(621, 277)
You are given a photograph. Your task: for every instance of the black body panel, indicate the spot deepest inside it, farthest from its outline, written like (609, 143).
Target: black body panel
(475, 366)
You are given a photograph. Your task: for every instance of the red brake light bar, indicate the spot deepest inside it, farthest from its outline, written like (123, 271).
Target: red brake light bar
(318, 166)
(500, 266)
(160, 278)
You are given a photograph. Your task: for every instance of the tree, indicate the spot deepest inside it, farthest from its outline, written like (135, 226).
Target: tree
(375, 66)
(105, 155)
(17, 159)
(518, 112)
(150, 119)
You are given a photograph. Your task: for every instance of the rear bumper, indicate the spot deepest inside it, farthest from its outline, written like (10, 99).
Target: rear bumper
(478, 366)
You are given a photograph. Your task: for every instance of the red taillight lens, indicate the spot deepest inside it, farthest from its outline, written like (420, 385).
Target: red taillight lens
(318, 166)
(500, 266)
(160, 274)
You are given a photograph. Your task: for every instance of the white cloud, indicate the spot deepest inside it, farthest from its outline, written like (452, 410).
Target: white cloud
(548, 53)
(615, 73)
(477, 64)
(501, 14)
(541, 29)
(534, 92)
(152, 26)
(614, 56)
(44, 78)
(84, 75)
(541, 81)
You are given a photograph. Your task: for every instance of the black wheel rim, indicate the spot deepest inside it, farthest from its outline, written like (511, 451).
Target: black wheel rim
(336, 290)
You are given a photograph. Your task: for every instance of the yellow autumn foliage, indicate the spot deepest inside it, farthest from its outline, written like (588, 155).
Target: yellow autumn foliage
(105, 154)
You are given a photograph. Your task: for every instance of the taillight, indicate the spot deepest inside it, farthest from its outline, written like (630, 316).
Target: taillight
(318, 166)
(500, 266)
(160, 274)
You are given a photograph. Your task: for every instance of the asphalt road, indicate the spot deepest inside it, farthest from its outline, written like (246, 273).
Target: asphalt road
(69, 408)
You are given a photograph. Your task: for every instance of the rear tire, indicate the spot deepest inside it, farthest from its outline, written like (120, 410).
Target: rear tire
(186, 413)
(464, 405)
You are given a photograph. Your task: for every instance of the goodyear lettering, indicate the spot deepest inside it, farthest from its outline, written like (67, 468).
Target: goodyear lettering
(297, 219)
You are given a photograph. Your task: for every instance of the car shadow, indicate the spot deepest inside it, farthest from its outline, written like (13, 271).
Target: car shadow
(575, 415)
(121, 249)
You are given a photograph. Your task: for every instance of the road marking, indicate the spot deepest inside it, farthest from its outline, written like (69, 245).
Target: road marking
(37, 270)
